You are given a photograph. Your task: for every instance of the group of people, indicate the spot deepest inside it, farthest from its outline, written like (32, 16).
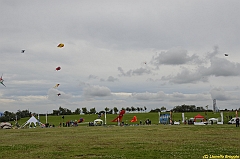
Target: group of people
(147, 122)
(68, 124)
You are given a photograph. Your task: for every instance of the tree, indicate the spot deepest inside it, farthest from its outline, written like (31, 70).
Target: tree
(9, 116)
(77, 111)
(128, 109)
(68, 111)
(133, 108)
(84, 110)
(138, 109)
(163, 108)
(106, 109)
(110, 111)
(62, 110)
(145, 108)
(187, 108)
(92, 111)
(155, 110)
(56, 112)
(115, 109)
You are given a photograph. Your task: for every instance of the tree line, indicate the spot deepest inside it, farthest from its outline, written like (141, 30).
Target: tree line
(84, 110)
(10, 116)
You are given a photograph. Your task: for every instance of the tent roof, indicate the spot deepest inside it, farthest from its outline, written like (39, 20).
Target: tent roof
(199, 116)
(31, 120)
(98, 120)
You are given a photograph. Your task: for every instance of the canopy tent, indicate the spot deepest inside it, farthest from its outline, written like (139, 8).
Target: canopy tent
(30, 121)
(164, 119)
(198, 117)
(98, 122)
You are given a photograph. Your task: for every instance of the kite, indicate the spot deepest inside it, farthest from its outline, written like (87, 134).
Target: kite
(134, 119)
(59, 94)
(80, 120)
(22, 51)
(58, 68)
(226, 54)
(1, 81)
(120, 116)
(56, 86)
(60, 45)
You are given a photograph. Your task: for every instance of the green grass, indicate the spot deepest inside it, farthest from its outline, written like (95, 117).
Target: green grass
(111, 141)
(153, 141)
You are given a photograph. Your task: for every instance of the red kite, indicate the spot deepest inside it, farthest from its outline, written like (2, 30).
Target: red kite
(58, 68)
(1, 81)
(119, 118)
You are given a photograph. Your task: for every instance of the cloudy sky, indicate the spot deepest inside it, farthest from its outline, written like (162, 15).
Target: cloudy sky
(119, 54)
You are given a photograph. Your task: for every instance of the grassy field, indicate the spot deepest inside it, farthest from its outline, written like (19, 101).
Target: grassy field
(153, 141)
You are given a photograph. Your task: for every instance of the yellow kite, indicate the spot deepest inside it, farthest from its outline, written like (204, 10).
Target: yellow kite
(60, 45)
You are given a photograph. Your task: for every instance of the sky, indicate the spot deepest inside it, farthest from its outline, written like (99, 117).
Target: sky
(158, 53)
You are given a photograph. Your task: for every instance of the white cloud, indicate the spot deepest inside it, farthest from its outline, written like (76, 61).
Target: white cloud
(149, 96)
(55, 94)
(96, 91)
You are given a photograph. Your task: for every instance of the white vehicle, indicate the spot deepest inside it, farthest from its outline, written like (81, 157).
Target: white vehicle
(232, 121)
(212, 121)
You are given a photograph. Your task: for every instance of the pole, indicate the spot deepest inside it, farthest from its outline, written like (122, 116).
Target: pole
(46, 117)
(206, 113)
(38, 119)
(159, 116)
(105, 117)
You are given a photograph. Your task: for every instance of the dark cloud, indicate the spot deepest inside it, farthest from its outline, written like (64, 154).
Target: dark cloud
(92, 77)
(112, 79)
(186, 76)
(221, 67)
(175, 56)
(136, 72)
(220, 94)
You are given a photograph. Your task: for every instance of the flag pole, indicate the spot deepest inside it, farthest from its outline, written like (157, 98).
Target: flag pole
(105, 117)
(46, 117)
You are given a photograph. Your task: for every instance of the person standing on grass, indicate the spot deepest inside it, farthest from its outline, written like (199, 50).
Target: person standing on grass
(237, 122)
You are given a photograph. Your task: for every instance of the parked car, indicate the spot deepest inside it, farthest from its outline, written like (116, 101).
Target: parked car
(232, 121)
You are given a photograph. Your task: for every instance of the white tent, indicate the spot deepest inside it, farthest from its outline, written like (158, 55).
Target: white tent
(30, 121)
(98, 122)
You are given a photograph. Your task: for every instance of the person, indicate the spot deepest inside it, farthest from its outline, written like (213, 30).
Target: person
(237, 122)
